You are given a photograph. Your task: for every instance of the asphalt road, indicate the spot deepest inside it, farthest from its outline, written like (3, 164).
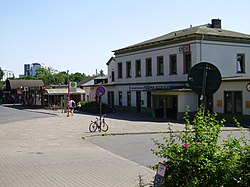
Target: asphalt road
(11, 113)
(138, 148)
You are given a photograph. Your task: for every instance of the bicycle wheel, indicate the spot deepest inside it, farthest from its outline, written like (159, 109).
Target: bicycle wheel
(93, 126)
(104, 126)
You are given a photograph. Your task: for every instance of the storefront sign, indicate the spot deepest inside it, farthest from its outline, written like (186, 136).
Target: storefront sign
(148, 88)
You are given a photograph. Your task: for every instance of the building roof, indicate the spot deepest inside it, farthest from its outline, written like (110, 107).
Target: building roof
(92, 82)
(89, 83)
(110, 60)
(62, 91)
(15, 84)
(205, 32)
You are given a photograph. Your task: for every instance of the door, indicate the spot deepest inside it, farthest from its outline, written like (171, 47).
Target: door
(138, 101)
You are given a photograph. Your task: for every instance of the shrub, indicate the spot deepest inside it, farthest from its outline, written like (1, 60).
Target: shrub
(195, 158)
(93, 107)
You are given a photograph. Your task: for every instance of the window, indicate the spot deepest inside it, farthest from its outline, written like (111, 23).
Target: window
(172, 65)
(113, 76)
(128, 98)
(138, 68)
(233, 102)
(186, 62)
(120, 98)
(128, 69)
(160, 66)
(149, 99)
(119, 70)
(148, 67)
(240, 63)
(111, 102)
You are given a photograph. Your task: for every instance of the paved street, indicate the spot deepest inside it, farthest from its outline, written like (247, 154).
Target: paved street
(47, 150)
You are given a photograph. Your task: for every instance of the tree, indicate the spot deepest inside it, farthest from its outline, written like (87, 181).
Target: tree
(44, 75)
(76, 77)
(61, 77)
(1, 73)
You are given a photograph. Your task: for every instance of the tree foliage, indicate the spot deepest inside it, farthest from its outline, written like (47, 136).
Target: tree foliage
(1, 73)
(195, 158)
(57, 78)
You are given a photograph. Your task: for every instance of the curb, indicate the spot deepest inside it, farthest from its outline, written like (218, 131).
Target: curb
(141, 133)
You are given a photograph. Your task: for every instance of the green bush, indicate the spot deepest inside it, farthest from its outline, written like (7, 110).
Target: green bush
(195, 158)
(93, 107)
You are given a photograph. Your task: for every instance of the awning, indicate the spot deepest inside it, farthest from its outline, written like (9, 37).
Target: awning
(16, 84)
(63, 91)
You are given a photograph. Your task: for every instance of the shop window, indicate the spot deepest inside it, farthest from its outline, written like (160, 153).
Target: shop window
(128, 69)
(149, 67)
(138, 68)
(240, 63)
(186, 63)
(172, 65)
(160, 65)
(233, 102)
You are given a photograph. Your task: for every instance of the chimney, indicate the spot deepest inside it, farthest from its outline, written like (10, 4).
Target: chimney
(216, 23)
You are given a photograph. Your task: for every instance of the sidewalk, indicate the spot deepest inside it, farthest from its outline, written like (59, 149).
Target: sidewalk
(50, 152)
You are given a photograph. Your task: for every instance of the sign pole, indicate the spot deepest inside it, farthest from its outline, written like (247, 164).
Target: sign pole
(204, 87)
(68, 94)
(100, 100)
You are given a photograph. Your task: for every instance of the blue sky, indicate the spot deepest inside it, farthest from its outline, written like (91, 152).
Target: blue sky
(80, 35)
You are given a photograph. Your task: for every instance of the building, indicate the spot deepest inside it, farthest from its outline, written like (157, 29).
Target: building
(90, 87)
(30, 69)
(57, 95)
(151, 76)
(7, 74)
(26, 92)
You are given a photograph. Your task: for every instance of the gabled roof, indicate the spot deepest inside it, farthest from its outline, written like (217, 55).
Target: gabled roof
(203, 31)
(110, 60)
(14, 84)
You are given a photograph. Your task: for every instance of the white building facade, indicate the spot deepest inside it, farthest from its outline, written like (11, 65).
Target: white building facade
(151, 77)
(7, 74)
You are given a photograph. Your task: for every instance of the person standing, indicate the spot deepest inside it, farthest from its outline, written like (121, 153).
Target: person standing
(72, 105)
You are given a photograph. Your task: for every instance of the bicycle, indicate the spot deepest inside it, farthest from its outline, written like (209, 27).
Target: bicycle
(99, 123)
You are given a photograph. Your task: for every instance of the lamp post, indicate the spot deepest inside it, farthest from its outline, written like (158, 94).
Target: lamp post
(68, 93)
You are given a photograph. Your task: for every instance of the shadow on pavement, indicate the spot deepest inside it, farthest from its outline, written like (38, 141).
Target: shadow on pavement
(129, 116)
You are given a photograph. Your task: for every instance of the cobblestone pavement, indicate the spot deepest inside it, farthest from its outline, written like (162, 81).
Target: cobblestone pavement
(50, 152)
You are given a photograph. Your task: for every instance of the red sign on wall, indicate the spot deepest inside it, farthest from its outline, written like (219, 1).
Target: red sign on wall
(186, 48)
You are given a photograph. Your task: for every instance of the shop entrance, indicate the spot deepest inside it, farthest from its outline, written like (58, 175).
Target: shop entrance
(165, 106)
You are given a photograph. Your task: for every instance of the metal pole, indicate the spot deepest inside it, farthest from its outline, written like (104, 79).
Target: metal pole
(204, 87)
(68, 93)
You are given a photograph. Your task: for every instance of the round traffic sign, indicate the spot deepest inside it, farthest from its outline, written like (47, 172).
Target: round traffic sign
(100, 91)
(248, 87)
(204, 76)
